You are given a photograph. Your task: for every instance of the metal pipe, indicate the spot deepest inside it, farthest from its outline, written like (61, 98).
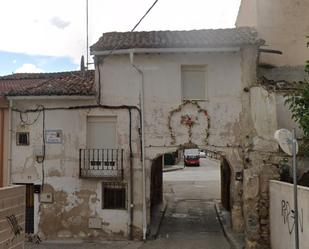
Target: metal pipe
(143, 143)
(131, 203)
(295, 190)
(9, 168)
(1, 147)
(271, 51)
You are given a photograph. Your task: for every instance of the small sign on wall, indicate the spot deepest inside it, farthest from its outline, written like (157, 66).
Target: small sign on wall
(53, 136)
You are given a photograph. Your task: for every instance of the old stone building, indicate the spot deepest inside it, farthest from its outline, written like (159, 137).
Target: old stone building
(89, 151)
(198, 87)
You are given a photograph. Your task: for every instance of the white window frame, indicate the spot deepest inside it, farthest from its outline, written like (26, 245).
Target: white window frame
(192, 67)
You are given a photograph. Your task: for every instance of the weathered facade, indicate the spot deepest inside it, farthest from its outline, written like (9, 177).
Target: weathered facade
(281, 25)
(280, 64)
(241, 115)
(145, 106)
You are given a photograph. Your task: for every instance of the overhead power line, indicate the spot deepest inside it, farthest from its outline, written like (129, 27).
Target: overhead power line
(132, 30)
(140, 20)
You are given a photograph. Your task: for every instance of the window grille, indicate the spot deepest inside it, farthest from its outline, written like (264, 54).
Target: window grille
(114, 195)
(22, 138)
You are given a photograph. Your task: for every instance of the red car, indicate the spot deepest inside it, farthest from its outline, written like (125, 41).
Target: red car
(192, 161)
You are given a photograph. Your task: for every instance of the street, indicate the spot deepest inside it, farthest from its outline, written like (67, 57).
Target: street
(190, 220)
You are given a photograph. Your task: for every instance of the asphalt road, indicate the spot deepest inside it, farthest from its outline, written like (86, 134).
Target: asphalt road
(190, 221)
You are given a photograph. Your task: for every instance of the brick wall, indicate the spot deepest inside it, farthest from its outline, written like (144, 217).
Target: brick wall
(12, 217)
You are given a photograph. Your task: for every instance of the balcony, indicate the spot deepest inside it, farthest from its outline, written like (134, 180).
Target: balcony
(101, 163)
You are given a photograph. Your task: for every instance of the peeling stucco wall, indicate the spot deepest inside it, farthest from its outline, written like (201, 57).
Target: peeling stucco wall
(227, 105)
(237, 113)
(74, 200)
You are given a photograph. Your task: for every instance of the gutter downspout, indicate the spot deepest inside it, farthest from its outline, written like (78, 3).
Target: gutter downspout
(143, 143)
(9, 168)
(1, 147)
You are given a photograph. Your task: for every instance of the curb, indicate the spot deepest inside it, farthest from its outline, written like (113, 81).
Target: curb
(235, 243)
(154, 230)
(172, 169)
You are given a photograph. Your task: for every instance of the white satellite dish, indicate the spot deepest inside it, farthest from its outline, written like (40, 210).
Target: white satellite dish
(285, 140)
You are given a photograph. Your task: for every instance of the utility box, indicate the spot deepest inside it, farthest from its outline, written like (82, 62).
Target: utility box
(46, 198)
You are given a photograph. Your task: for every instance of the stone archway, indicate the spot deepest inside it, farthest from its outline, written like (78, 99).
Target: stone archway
(156, 178)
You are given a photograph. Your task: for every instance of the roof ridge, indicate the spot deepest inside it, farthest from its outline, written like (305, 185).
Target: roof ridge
(180, 30)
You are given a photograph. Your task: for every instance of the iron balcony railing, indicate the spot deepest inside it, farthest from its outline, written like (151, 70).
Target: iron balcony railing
(101, 163)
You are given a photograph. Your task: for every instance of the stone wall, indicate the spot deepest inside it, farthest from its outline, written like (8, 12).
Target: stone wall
(262, 163)
(12, 217)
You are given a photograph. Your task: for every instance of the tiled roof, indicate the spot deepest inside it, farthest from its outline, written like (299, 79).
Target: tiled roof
(205, 38)
(36, 84)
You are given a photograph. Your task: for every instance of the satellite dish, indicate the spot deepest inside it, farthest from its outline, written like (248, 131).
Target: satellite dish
(285, 140)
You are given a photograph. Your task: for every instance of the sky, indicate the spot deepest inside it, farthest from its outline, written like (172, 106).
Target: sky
(50, 35)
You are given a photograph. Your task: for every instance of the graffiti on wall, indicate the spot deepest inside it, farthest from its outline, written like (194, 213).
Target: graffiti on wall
(288, 216)
(15, 228)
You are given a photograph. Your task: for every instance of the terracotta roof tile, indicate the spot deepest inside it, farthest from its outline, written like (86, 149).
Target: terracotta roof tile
(177, 39)
(35, 84)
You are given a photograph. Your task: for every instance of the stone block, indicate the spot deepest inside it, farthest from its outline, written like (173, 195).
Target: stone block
(237, 219)
(251, 185)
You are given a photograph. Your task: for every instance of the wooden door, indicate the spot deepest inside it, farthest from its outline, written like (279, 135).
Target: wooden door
(29, 208)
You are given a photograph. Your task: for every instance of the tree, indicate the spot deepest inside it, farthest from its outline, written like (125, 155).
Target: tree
(298, 103)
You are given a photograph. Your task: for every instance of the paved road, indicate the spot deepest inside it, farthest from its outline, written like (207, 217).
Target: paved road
(191, 221)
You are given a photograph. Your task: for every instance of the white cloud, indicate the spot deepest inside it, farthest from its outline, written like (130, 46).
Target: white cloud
(31, 31)
(58, 22)
(29, 68)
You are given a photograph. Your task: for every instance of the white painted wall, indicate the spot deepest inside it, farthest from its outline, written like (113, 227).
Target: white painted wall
(284, 115)
(281, 216)
(282, 24)
(162, 74)
(264, 116)
(227, 103)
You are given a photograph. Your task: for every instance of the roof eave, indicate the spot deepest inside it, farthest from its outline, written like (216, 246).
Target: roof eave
(59, 97)
(168, 50)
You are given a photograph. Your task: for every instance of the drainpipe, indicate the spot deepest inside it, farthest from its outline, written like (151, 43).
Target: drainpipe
(9, 167)
(143, 143)
(1, 147)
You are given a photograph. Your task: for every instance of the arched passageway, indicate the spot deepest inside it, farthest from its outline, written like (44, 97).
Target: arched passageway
(191, 194)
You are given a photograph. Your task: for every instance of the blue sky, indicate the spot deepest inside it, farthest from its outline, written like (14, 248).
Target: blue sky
(50, 35)
(10, 62)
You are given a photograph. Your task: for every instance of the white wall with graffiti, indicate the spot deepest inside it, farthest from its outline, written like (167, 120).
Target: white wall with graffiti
(282, 218)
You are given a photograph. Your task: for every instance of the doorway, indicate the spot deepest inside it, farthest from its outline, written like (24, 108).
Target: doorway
(29, 226)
